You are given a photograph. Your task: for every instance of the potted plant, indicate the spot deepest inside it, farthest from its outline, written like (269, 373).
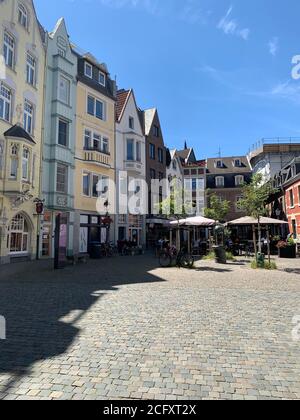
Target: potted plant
(287, 249)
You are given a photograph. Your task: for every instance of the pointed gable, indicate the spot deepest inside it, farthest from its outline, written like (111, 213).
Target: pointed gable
(122, 99)
(149, 115)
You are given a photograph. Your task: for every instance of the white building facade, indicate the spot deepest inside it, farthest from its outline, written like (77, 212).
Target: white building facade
(130, 171)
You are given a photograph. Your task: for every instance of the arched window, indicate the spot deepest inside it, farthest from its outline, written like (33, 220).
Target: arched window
(18, 235)
(23, 16)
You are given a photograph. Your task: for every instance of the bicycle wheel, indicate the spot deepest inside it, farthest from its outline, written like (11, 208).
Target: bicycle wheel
(165, 260)
(187, 261)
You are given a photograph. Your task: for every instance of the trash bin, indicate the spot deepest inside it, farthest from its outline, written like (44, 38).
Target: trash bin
(95, 250)
(260, 260)
(220, 254)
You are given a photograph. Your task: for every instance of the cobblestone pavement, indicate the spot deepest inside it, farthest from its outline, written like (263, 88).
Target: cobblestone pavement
(123, 328)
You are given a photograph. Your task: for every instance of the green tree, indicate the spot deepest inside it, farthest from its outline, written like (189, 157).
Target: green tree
(255, 197)
(218, 209)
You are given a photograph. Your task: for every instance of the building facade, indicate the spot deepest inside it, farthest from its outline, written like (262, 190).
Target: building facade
(174, 168)
(21, 121)
(285, 205)
(130, 223)
(270, 156)
(225, 178)
(95, 153)
(194, 178)
(59, 137)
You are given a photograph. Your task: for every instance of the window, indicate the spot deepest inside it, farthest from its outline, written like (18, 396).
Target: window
(62, 52)
(220, 182)
(95, 108)
(30, 69)
(292, 198)
(239, 180)
(87, 139)
(64, 90)
(102, 78)
(105, 145)
(25, 164)
(86, 184)
(62, 179)
(5, 103)
(18, 235)
(130, 149)
(174, 164)
(156, 131)
(95, 186)
(63, 132)
(88, 70)
(219, 164)
(96, 141)
(161, 155)
(237, 163)
(14, 163)
(294, 228)
(152, 151)
(131, 123)
(138, 151)
(194, 184)
(160, 176)
(23, 16)
(152, 174)
(9, 50)
(28, 117)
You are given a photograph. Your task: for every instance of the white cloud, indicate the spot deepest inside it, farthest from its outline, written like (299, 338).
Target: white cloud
(273, 46)
(231, 26)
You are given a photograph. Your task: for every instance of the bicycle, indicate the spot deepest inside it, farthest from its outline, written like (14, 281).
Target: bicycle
(182, 258)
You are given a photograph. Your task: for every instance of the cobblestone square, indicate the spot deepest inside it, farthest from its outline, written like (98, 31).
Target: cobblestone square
(126, 329)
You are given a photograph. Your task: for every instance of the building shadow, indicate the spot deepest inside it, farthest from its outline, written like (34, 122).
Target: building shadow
(34, 299)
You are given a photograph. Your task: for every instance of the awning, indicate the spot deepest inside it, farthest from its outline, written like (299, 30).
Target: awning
(252, 221)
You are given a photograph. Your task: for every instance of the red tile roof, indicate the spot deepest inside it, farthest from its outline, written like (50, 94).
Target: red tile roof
(122, 96)
(199, 163)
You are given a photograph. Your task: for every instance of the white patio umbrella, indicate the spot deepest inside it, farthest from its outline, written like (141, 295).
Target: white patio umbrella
(252, 221)
(194, 221)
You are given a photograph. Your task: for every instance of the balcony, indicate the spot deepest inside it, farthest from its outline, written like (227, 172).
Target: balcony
(98, 157)
(134, 166)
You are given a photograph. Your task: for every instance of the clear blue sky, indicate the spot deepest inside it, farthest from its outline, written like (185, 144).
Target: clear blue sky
(219, 72)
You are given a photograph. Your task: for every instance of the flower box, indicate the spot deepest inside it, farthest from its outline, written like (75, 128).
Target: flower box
(287, 252)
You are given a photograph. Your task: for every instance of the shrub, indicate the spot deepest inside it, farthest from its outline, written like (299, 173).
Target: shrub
(267, 266)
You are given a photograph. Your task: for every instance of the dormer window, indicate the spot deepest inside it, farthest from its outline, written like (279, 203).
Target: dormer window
(88, 70)
(23, 16)
(102, 78)
(219, 164)
(237, 163)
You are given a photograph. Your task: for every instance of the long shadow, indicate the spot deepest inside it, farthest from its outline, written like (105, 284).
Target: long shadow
(34, 299)
(213, 269)
(292, 270)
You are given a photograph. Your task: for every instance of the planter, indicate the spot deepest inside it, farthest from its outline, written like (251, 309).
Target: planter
(220, 254)
(288, 252)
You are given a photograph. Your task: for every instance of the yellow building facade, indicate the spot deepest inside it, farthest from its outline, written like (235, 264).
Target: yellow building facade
(95, 151)
(21, 119)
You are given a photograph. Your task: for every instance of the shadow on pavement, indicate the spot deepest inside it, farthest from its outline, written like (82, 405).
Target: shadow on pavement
(34, 299)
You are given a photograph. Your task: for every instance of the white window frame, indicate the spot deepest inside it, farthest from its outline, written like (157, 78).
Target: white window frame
(6, 98)
(23, 15)
(94, 113)
(28, 116)
(88, 65)
(30, 69)
(237, 163)
(104, 78)
(9, 49)
(66, 178)
(218, 184)
(86, 173)
(25, 163)
(68, 85)
(88, 134)
(133, 147)
(219, 164)
(239, 180)
(105, 142)
(131, 123)
(14, 151)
